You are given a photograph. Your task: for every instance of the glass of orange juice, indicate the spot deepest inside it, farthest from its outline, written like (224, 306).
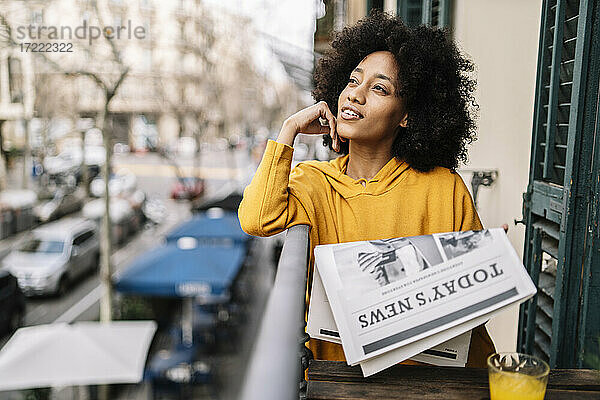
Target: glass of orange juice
(516, 376)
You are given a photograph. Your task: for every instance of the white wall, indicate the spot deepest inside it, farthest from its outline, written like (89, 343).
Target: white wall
(501, 37)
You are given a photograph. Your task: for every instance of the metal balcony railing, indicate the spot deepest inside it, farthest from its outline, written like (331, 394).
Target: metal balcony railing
(279, 358)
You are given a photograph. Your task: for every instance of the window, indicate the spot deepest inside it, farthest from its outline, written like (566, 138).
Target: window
(82, 238)
(15, 74)
(36, 245)
(410, 11)
(5, 30)
(37, 17)
(371, 4)
(86, 17)
(182, 93)
(146, 26)
(181, 29)
(117, 21)
(560, 207)
(425, 12)
(325, 24)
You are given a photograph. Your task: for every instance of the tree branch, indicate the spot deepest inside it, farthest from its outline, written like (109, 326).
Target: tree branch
(113, 47)
(112, 91)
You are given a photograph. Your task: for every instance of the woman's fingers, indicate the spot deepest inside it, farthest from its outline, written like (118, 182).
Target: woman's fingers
(317, 119)
(330, 118)
(326, 113)
(334, 140)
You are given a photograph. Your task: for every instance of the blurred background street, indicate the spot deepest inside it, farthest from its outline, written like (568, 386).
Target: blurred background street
(175, 112)
(156, 177)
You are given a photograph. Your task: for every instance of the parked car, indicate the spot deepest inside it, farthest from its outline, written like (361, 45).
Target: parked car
(228, 202)
(12, 303)
(186, 147)
(187, 189)
(70, 159)
(16, 211)
(54, 255)
(154, 210)
(124, 219)
(121, 183)
(66, 200)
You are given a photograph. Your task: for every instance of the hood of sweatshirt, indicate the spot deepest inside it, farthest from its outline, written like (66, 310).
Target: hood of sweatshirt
(386, 178)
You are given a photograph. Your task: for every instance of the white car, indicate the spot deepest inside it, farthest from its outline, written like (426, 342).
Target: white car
(54, 255)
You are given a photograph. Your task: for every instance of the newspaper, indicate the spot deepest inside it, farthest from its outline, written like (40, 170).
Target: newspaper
(388, 294)
(448, 348)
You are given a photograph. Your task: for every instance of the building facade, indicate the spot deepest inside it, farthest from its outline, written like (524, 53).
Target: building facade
(189, 68)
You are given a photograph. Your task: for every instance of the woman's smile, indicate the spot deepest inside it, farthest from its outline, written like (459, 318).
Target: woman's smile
(350, 113)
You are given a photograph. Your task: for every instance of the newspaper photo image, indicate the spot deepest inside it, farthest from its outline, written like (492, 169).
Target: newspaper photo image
(386, 261)
(386, 294)
(455, 244)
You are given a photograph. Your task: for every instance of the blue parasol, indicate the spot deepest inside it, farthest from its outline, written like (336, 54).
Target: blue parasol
(193, 271)
(206, 227)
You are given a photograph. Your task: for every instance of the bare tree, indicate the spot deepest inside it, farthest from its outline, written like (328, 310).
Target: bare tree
(108, 84)
(177, 106)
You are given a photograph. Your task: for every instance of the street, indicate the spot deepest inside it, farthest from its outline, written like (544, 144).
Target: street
(155, 177)
(81, 303)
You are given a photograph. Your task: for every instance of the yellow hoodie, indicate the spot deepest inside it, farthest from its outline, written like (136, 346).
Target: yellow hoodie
(398, 201)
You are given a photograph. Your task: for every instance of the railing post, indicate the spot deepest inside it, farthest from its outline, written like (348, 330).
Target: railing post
(274, 366)
(305, 356)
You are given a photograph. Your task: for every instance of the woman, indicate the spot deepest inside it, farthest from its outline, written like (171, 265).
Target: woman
(398, 106)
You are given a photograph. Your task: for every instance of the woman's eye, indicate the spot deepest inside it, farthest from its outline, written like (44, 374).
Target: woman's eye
(352, 80)
(379, 87)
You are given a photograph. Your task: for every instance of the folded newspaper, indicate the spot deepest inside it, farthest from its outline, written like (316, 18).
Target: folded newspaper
(418, 297)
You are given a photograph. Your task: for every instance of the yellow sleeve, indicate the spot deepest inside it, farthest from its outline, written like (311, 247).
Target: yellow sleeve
(465, 214)
(268, 206)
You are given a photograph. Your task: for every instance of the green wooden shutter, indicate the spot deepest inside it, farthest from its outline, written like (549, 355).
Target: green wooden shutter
(556, 206)
(438, 13)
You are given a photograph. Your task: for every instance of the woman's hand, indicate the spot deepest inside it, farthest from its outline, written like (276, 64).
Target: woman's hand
(307, 121)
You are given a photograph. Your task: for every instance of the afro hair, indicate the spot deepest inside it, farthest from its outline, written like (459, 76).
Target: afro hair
(435, 82)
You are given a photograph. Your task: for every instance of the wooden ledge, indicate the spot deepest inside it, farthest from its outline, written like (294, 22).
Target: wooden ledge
(329, 380)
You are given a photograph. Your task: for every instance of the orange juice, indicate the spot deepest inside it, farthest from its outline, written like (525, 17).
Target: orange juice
(516, 386)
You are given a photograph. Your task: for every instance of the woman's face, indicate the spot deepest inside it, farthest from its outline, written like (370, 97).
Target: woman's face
(368, 109)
